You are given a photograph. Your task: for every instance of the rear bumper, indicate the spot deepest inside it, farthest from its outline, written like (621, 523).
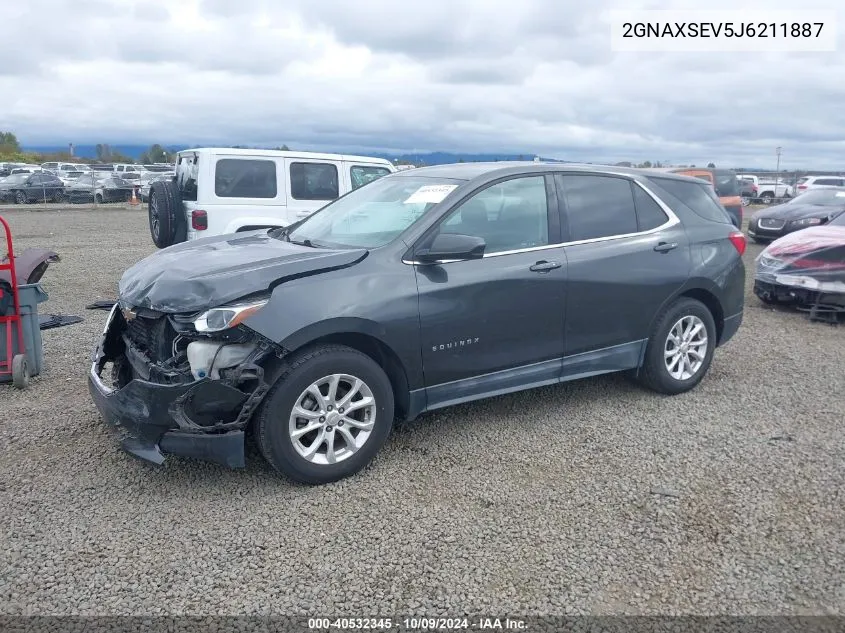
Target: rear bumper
(157, 419)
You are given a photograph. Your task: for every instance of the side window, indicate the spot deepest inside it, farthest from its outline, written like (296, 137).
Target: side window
(649, 213)
(598, 206)
(694, 197)
(510, 215)
(828, 181)
(361, 175)
(237, 178)
(314, 181)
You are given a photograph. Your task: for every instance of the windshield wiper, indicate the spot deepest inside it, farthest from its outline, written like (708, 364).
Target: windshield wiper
(304, 242)
(280, 233)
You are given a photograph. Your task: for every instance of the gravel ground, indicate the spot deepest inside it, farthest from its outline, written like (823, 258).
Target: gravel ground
(589, 497)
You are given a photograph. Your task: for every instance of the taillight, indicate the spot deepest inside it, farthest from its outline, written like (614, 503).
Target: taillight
(754, 188)
(737, 238)
(199, 220)
(802, 186)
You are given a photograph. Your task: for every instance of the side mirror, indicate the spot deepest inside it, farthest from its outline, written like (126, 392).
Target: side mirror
(452, 246)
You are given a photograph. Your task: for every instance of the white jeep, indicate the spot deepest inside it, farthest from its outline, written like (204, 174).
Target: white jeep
(217, 191)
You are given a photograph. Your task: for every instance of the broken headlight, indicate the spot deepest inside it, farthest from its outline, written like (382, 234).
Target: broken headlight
(227, 316)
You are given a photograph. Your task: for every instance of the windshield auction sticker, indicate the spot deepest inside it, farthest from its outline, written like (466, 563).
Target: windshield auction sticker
(428, 194)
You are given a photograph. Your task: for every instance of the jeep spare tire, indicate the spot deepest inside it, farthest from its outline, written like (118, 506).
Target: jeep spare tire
(168, 225)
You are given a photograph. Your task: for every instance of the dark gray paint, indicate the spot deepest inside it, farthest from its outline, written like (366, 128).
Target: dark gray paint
(590, 315)
(209, 272)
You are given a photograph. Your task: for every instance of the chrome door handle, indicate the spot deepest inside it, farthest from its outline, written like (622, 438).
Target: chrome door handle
(544, 266)
(665, 247)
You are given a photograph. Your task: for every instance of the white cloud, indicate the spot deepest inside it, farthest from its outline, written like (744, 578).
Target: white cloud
(528, 76)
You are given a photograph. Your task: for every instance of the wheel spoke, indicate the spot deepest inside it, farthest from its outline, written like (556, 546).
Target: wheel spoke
(302, 412)
(331, 456)
(312, 449)
(351, 445)
(695, 331)
(694, 352)
(334, 381)
(360, 404)
(318, 396)
(313, 426)
(353, 391)
(364, 426)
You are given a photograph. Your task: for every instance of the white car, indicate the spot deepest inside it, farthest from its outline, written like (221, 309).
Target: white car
(808, 183)
(218, 191)
(767, 189)
(57, 167)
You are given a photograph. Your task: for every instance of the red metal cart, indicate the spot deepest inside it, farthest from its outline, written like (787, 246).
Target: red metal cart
(11, 324)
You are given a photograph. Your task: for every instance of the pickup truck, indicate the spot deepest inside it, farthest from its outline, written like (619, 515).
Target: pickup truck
(767, 191)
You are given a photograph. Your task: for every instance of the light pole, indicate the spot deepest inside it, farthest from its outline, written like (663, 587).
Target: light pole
(778, 151)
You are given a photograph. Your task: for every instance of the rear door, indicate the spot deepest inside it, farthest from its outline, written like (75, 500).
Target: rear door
(312, 184)
(627, 253)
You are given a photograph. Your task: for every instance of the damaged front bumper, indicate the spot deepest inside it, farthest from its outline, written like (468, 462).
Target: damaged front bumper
(202, 419)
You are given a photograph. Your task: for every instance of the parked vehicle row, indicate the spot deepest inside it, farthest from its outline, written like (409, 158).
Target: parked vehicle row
(44, 186)
(30, 187)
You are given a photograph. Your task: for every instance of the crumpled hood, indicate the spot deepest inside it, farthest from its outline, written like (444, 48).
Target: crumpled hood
(212, 271)
(797, 211)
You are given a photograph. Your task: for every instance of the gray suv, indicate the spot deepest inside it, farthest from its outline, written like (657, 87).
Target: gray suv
(420, 290)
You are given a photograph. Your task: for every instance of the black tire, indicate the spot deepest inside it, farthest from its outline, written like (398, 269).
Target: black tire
(20, 371)
(767, 197)
(272, 420)
(98, 198)
(59, 197)
(654, 373)
(166, 214)
(21, 198)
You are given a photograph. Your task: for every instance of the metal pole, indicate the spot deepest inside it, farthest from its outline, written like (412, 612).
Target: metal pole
(778, 151)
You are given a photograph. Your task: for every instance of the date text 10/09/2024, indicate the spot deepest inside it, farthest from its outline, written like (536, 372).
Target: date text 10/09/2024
(722, 29)
(417, 624)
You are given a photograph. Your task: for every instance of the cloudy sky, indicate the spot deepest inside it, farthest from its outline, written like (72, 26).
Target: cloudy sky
(534, 76)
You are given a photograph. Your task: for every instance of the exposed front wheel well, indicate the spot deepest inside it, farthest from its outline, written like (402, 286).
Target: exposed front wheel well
(712, 304)
(381, 354)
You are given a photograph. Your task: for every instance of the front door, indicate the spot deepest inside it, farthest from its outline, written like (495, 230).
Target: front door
(495, 324)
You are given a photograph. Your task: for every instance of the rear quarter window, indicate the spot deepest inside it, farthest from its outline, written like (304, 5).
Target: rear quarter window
(698, 198)
(237, 178)
(360, 175)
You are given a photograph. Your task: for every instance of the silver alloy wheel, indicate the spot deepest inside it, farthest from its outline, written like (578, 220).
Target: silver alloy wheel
(332, 419)
(154, 218)
(685, 348)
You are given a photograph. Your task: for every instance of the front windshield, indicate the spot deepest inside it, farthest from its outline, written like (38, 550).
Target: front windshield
(375, 214)
(823, 198)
